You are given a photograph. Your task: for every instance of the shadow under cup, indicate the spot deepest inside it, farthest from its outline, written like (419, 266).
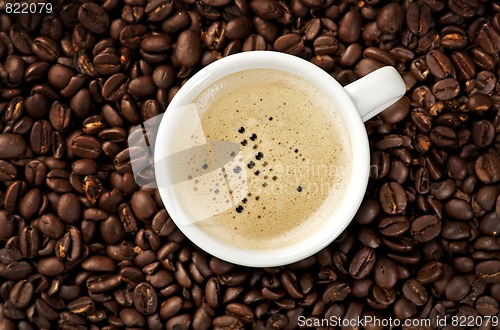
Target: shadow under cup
(200, 178)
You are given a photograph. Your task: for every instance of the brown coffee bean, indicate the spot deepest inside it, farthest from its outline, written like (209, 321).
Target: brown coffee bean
(69, 208)
(21, 294)
(132, 35)
(188, 48)
(60, 116)
(415, 292)
(446, 89)
(463, 8)
(86, 146)
(115, 87)
(429, 272)
(457, 288)
(50, 226)
(385, 272)
(362, 263)
(393, 226)
(443, 136)
(489, 271)
(45, 49)
(464, 64)
(11, 146)
(483, 133)
(487, 168)
(50, 266)
(266, 9)
(439, 64)
(419, 18)
(392, 198)
(350, 27)
(390, 18)
(325, 45)
(291, 43)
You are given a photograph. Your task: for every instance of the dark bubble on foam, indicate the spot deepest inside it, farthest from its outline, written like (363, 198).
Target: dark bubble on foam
(253, 136)
(244, 142)
(259, 155)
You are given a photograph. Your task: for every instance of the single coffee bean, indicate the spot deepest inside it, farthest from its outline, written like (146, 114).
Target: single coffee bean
(145, 300)
(115, 87)
(45, 49)
(439, 64)
(336, 291)
(393, 226)
(443, 136)
(385, 272)
(86, 146)
(60, 116)
(390, 18)
(464, 64)
(483, 133)
(362, 263)
(392, 198)
(11, 146)
(489, 271)
(463, 8)
(425, 228)
(158, 10)
(325, 45)
(487, 168)
(188, 48)
(266, 9)
(457, 288)
(50, 226)
(419, 18)
(429, 272)
(40, 138)
(415, 292)
(446, 89)
(350, 27)
(456, 230)
(50, 266)
(132, 35)
(291, 43)
(487, 306)
(21, 294)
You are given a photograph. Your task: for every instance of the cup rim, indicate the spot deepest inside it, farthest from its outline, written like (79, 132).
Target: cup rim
(337, 223)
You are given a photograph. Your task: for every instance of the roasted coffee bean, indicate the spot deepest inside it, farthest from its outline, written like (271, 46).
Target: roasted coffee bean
(483, 133)
(131, 35)
(86, 146)
(439, 64)
(392, 198)
(425, 228)
(487, 168)
(21, 294)
(443, 136)
(50, 226)
(45, 49)
(393, 226)
(489, 271)
(362, 263)
(291, 43)
(385, 272)
(429, 272)
(115, 87)
(464, 64)
(188, 48)
(11, 146)
(415, 292)
(419, 18)
(446, 89)
(350, 27)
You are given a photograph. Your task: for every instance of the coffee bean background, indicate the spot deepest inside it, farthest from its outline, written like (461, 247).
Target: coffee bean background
(83, 247)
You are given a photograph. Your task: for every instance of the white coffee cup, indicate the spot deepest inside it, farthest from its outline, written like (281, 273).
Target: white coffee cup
(357, 102)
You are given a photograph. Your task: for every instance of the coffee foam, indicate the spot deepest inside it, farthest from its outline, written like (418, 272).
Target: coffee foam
(294, 162)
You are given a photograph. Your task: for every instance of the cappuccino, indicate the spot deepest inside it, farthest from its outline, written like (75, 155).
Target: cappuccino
(289, 169)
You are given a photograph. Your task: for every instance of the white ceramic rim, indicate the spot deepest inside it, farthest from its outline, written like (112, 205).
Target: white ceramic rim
(359, 145)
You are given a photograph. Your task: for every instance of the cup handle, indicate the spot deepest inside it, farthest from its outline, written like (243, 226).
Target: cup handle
(376, 91)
